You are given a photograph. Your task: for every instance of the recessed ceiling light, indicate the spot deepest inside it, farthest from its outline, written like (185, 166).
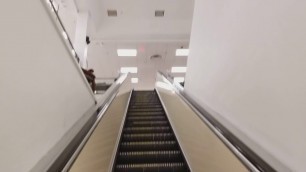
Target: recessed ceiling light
(134, 80)
(127, 52)
(178, 79)
(128, 69)
(159, 13)
(178, 69)
(112, 13)
(182, 52)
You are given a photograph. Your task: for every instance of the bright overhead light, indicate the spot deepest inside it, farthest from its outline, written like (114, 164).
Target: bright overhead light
(127, 52)
(182, 52)
(179, 79)
(134, 80)
(128, 69)
(178, 69)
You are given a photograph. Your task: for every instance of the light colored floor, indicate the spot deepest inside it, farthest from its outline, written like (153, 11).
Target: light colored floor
(203, 149)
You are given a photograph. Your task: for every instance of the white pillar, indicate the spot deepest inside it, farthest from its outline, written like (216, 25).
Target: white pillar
(80, 38)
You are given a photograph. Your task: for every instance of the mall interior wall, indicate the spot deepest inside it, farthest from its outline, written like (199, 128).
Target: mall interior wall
(247, 67)
(43, 94)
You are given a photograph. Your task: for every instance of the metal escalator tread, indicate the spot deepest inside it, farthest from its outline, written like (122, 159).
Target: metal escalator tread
(146, 118)
(148, 143)
(148, 137)
(152, 167)
(148, 113)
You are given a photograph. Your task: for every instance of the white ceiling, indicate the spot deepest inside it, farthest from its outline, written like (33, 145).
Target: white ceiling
(135, 27)
(104, 60)
(136, 20)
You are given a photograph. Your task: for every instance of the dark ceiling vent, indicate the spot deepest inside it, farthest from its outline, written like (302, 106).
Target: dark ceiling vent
(159, 13)
(112, 13)
(156, 56)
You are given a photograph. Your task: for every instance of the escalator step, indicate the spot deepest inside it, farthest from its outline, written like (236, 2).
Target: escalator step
(146, 113)
(148, 103)
(145, 106)
(147, 123)
(146, 129)
(150, 157)
(146, 110)
(153, 167)
(146, 118)
(148, 137)
(148, 146)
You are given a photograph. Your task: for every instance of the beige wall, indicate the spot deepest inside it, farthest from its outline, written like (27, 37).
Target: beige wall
(247, 64)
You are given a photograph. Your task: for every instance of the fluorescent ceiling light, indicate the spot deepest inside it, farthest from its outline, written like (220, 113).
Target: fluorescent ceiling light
(127, 52)
(128, 69)
(182, 52)
(178, 69)
(179, 79)
(134, 80)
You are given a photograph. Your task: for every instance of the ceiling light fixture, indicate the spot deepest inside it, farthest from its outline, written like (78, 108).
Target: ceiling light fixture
(127, 52)
(182, 52)
(178, 69)
(178, 79)
(128, 70)
(134, 80)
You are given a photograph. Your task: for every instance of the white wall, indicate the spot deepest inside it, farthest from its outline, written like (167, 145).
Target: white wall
(80, 44)
(42, 94)
(68, 13)
(247, 63)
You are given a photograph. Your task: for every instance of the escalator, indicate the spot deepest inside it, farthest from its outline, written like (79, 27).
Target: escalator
(148, 143)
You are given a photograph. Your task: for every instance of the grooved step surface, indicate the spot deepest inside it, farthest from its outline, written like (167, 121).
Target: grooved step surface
(146, 113)
(149, 123)
(153, 167)
(148, 143)
(148, 137)
(146, 118)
